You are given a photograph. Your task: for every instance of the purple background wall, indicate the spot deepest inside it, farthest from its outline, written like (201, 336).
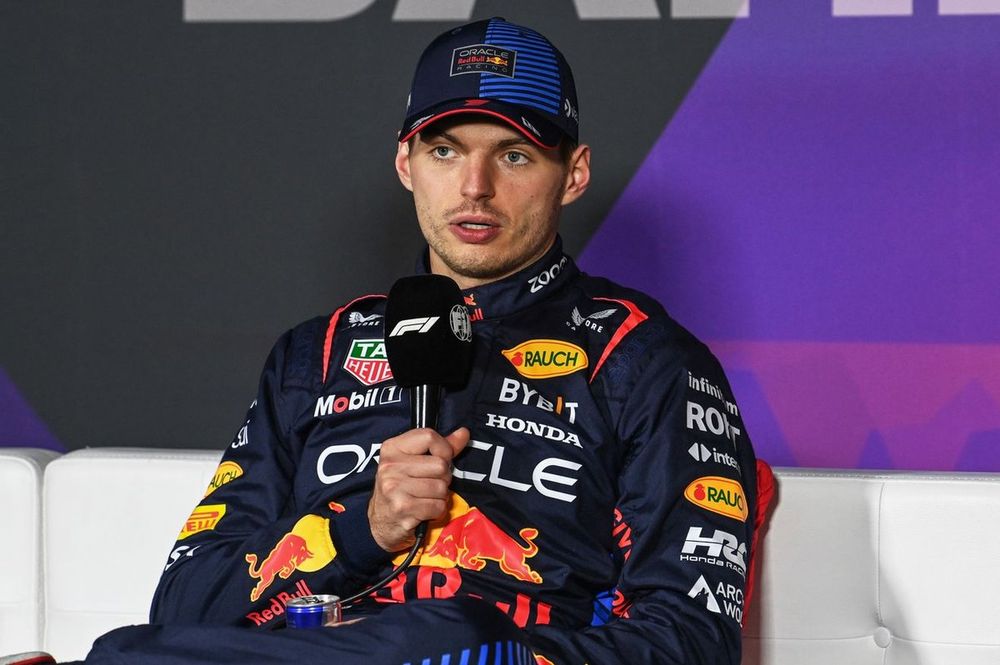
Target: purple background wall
(824, 210)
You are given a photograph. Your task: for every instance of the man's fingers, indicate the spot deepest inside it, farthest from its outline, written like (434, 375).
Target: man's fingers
(415, 466)
(458, 440)
(424, 488)
(418, 442)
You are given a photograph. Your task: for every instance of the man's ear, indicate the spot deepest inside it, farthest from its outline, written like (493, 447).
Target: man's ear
(577, 174)
(403, 164)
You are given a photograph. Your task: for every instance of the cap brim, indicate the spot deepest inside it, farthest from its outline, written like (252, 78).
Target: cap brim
(535, 128)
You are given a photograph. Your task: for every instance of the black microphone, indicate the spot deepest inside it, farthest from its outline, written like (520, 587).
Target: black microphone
(428, 342)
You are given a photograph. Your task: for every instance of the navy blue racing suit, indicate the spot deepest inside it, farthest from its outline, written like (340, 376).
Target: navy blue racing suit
(609, 467)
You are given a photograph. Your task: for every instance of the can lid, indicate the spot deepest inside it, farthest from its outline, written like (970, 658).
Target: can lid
(316, 603)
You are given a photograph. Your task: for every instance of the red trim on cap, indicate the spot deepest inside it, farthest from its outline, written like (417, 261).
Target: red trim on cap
(434, 118)
(634, 318)
(332, 327)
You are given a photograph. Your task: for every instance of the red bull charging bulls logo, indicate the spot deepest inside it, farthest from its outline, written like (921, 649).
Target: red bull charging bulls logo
(467, 538)
(307, 548)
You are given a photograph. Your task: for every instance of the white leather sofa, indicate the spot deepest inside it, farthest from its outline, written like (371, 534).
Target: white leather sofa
(854, 568)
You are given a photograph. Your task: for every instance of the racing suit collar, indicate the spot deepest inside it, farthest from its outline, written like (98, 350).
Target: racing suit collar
(520, 290)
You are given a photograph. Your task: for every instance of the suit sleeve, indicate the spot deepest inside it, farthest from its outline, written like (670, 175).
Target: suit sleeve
(683, 524)
(247, 548)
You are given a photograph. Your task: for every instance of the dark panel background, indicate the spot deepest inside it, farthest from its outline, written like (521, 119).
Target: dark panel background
(175, 195)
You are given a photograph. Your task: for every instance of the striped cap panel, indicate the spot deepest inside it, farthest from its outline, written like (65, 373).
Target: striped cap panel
(536, 81)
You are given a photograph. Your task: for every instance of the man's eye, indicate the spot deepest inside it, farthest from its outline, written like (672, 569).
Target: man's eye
(516, 158)
(442, 151)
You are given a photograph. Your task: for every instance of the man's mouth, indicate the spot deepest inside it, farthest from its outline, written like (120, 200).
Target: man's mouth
(475, 229)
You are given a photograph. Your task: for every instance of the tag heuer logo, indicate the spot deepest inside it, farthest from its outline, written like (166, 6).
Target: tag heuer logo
(366, 361)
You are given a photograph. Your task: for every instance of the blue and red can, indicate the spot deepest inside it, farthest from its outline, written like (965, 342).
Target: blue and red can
(313, 611)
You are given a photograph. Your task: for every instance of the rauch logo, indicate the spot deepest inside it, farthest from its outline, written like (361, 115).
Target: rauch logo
(227, 472)
(718, 495)
(546, 358)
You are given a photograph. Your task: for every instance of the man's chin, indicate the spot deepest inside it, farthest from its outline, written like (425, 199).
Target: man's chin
(480, 270)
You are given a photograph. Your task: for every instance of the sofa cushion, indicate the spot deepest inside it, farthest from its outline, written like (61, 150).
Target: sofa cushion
(21, 555)
(112, 515)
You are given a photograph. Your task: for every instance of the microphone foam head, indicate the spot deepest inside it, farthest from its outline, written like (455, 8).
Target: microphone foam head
(428, 335)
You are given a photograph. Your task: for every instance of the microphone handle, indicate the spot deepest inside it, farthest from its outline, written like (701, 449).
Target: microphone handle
(425, 402)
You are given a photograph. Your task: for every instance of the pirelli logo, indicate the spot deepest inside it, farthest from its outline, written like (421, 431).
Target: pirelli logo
(204, 518)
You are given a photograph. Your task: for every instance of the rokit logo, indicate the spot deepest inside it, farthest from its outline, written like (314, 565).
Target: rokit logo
(332, 404)
(589, 322)
(701, 453)
(521, 426)
(514, 391)
(731, 598)
(711, 420)
(720, 549)
(543, 279)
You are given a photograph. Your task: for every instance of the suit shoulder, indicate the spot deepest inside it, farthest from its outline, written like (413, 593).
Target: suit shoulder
(649, 331)
(308, 344)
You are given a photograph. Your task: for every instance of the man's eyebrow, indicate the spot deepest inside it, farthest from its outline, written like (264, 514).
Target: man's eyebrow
(516, 140)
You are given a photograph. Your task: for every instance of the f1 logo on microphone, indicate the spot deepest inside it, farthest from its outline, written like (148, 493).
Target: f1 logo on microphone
(418, 325)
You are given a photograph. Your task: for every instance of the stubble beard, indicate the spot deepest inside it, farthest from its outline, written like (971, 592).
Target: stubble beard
(484, 262)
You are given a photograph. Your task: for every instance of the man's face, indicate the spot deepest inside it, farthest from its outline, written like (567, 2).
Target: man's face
(488, 200)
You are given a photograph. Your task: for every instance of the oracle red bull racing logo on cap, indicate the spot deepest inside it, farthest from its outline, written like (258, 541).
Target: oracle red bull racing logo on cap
(546, 358)
(718, 495)
(466, 538)
(366, 361)
(483, 58)
(307, 548)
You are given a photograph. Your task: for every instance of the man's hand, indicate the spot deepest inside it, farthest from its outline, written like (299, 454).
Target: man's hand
(411, 484)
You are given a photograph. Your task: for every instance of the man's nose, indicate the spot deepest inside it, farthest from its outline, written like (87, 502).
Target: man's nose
(477, 178)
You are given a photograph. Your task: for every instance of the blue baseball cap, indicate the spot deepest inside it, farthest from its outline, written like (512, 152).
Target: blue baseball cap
(499, 69)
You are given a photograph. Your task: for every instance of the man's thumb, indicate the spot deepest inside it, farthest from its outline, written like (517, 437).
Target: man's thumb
(458, 440)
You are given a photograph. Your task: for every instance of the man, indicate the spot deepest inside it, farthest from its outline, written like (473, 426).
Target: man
(593, 470)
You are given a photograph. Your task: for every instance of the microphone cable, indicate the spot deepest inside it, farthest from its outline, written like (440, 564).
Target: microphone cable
(394, 573)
